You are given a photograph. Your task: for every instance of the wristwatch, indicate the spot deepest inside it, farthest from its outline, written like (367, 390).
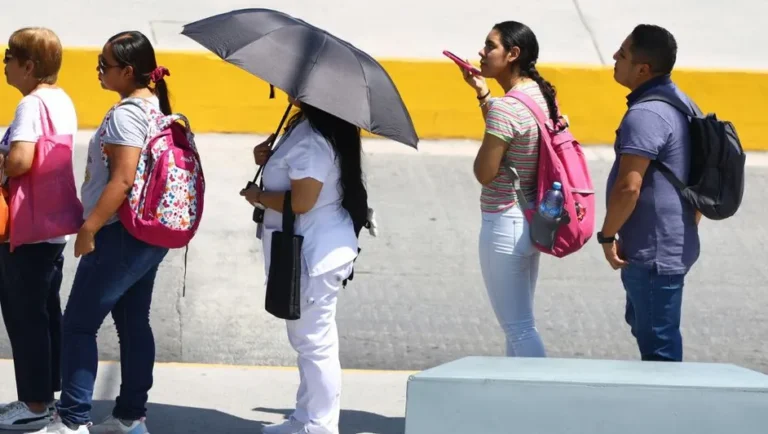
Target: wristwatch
(605, 240)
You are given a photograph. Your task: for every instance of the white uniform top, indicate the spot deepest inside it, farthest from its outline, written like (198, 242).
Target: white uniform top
(329, 236)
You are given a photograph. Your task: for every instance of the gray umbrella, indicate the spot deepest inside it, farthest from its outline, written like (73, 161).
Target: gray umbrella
(310, 65)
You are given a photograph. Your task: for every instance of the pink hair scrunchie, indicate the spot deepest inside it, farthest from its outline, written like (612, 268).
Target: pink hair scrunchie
(159, 73)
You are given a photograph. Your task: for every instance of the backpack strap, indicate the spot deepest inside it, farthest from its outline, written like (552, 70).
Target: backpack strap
(682, 108)
(541, 117)
(145, 106)
(544, 139)
(674, 102)
(139, 102)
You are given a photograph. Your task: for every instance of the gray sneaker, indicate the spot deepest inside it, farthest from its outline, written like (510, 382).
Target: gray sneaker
(16, 416)
(112, 425)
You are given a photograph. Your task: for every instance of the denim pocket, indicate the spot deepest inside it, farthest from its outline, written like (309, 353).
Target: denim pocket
(490, 217)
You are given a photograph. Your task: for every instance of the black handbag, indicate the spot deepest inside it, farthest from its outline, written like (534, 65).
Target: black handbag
(284, 279)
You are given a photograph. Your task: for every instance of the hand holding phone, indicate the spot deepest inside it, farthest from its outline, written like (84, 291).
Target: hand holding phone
(462, 63)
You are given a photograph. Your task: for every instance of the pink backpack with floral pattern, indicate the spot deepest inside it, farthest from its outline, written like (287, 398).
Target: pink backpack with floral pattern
(165, 205)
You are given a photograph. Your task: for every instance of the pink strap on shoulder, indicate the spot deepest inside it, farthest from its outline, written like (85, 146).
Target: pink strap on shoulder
(524, 98)
(541, 117)
(45, 119)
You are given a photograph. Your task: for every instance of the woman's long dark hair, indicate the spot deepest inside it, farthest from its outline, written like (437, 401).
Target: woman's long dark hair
(134, 49)
(345, 140)
(515, 34)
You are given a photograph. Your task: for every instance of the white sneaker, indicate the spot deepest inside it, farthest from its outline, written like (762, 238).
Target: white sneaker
(112, 425)
(56, 426)
(290, 426)
(16, 416)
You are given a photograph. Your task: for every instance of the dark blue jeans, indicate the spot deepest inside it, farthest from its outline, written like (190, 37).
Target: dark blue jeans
(117, 277)
(30, 279)
(654, 305)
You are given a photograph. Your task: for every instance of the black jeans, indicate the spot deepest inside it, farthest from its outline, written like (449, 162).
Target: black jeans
(30, 279)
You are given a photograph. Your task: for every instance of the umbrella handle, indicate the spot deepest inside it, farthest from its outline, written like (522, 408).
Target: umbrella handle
(277, 132)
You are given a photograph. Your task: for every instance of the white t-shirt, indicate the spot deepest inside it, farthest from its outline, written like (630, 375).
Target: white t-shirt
(27, 125)
(329, 235)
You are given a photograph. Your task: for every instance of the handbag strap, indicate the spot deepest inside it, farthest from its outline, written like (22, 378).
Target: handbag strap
(289, 218)
(45, 118)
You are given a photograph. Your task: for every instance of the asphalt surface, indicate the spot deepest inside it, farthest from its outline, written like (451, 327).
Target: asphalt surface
(418, 300)
(569, 31)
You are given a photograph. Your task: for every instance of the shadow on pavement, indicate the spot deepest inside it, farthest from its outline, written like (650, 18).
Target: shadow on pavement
(173, 419)
(356, 422)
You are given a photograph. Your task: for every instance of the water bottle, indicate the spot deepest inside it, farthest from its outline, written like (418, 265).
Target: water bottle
(551, 206)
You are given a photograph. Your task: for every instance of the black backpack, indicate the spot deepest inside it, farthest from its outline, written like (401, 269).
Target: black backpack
(715, 185)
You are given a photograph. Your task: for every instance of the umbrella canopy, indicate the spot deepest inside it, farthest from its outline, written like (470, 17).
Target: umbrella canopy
(310, 65)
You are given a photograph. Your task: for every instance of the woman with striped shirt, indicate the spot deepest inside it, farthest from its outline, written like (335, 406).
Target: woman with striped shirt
(508, 260)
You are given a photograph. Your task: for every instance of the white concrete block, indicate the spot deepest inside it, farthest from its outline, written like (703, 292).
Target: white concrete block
(558, 396)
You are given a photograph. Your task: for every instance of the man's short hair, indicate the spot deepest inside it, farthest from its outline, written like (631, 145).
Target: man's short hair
(42, 47)
(655, 46)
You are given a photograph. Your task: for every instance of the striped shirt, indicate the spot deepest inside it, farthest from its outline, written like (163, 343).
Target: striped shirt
(509, 120)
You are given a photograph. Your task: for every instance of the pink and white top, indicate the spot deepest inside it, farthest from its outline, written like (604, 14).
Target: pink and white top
(509, 120)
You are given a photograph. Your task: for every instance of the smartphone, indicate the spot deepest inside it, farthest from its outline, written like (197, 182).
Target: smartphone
(462, 63)
(258, 210)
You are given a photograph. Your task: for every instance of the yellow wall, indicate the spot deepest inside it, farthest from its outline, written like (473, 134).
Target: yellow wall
(219, 97)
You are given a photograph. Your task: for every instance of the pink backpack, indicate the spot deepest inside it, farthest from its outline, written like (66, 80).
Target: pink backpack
(165, 205)
(560, 160)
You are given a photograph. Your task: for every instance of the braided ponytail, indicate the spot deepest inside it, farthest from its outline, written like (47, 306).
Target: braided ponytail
(516, 34)
(547, 89)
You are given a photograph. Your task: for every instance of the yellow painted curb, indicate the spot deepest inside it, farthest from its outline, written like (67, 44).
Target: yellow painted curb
(219, 97)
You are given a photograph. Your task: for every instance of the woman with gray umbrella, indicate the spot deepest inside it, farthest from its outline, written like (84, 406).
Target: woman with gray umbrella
(339, 90)
(318, 160)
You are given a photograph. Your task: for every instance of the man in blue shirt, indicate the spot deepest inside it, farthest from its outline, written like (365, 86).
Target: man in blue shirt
(650, 231)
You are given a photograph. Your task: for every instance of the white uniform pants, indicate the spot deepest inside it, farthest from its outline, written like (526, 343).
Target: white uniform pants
(315, 338)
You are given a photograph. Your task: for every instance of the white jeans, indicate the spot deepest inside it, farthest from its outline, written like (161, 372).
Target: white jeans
(315, 338)
(510, 266)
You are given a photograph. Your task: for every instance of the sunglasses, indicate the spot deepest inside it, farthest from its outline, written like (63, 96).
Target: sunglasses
(8, 56)
(104, 66)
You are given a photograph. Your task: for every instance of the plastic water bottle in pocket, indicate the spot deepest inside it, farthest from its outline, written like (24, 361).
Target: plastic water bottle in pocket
(551, 206)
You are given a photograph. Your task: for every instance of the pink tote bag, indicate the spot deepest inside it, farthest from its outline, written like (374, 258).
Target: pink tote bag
(44, 201)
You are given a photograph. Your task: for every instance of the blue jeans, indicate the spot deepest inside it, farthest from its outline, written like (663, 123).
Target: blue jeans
(654, 305)
(510, 266)
(117, 277)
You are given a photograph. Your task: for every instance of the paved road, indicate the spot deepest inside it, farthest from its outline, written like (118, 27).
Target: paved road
(569, 31)
(418, 300)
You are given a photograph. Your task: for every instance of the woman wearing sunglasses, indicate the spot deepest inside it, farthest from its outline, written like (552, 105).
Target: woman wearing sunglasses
(30, 277)
(116, 274)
